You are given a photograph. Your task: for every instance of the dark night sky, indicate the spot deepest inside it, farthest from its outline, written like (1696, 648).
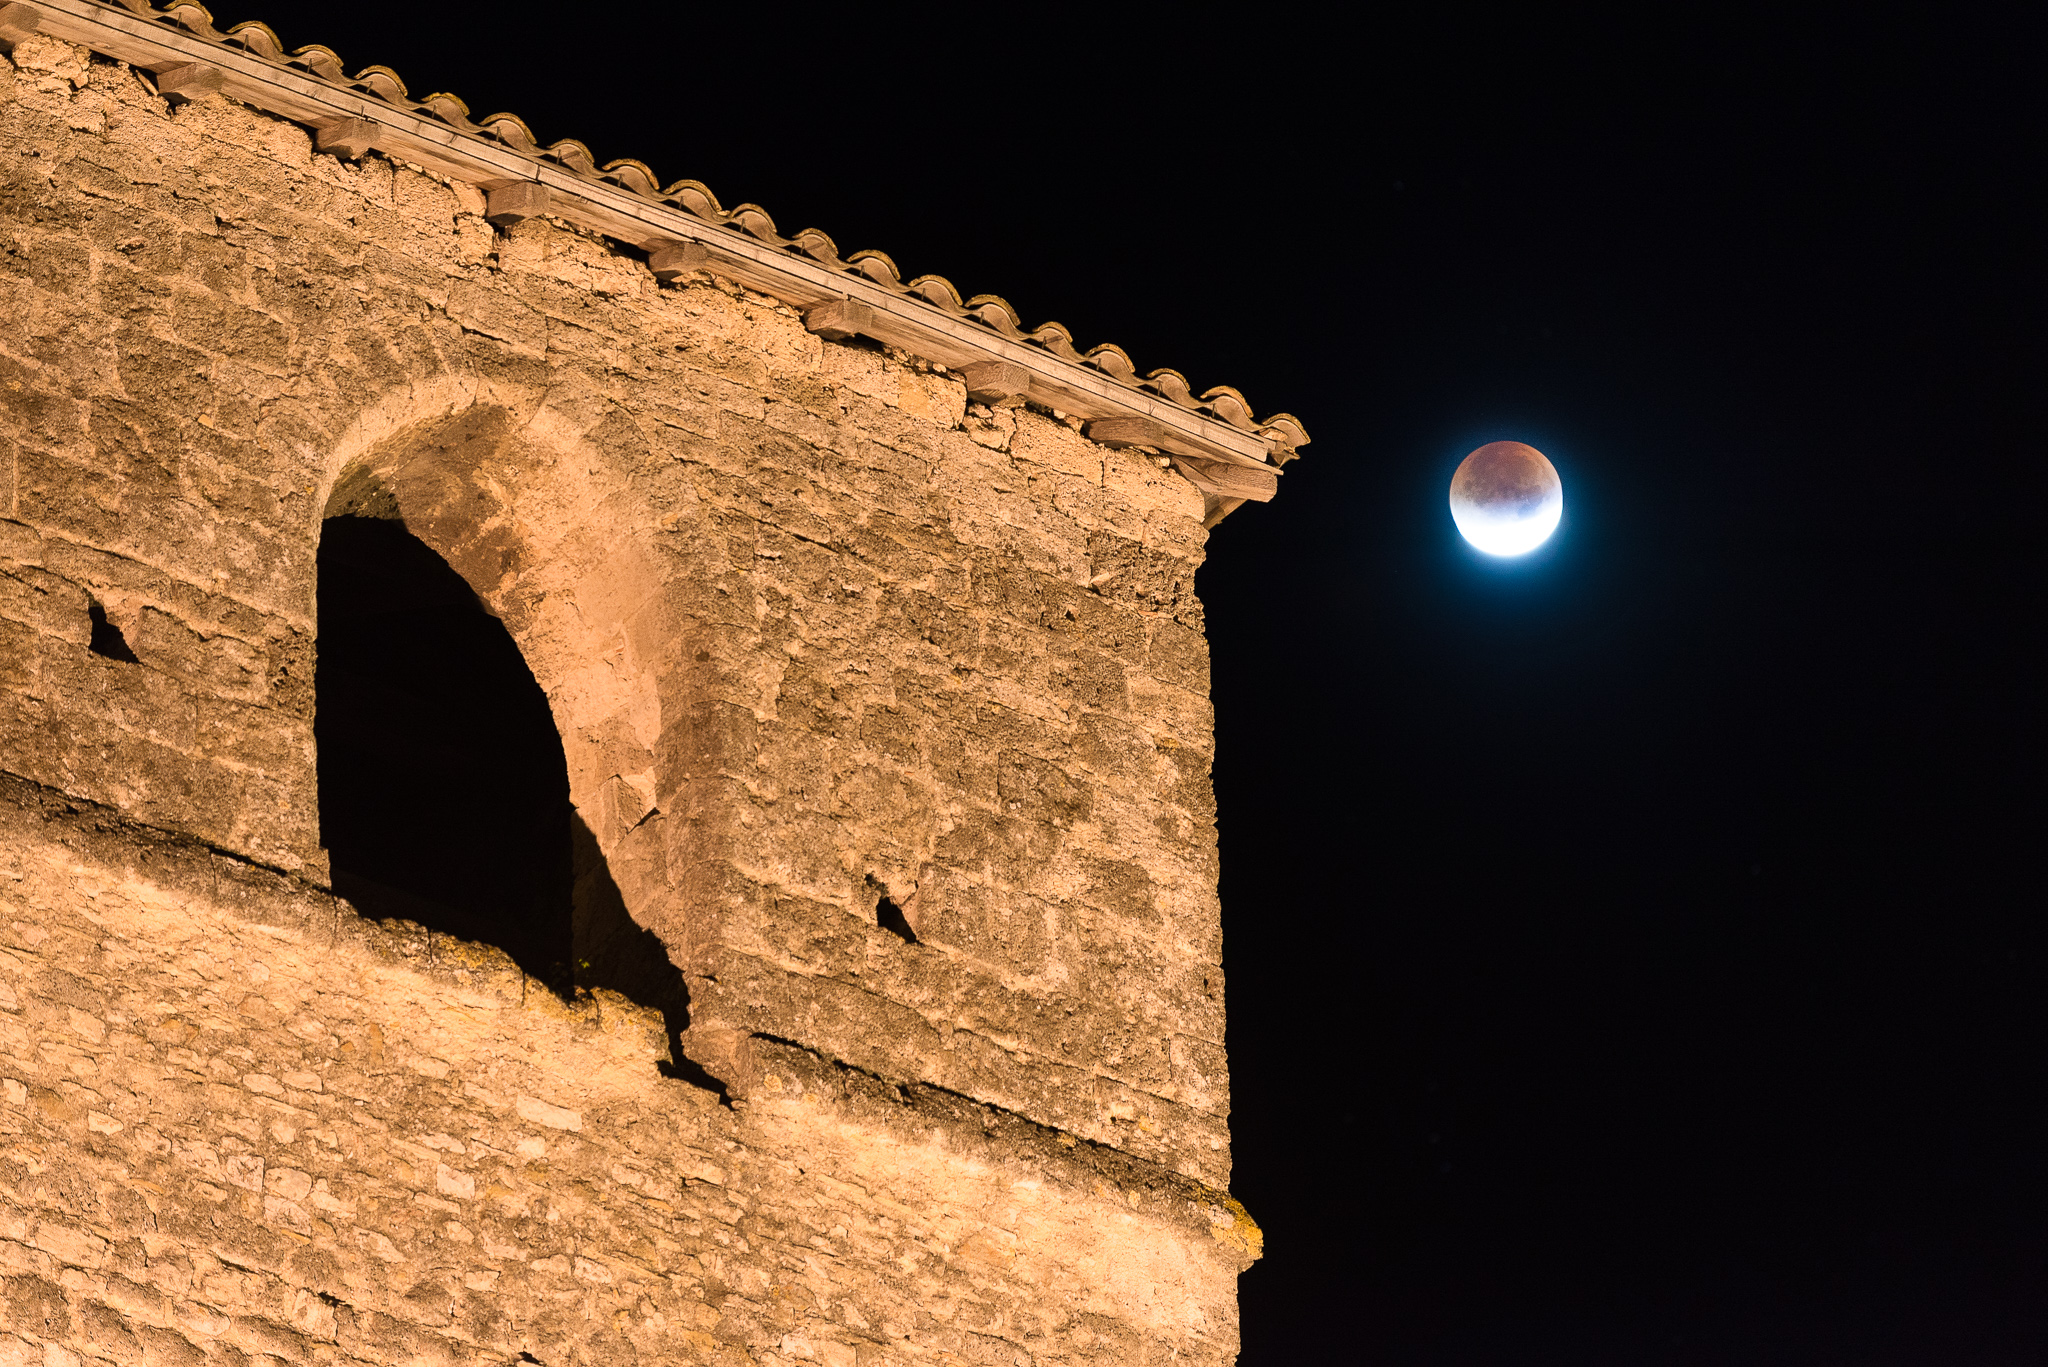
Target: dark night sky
(1636, 950)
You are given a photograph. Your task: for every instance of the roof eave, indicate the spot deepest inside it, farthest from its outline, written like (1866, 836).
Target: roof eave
(1230, 462)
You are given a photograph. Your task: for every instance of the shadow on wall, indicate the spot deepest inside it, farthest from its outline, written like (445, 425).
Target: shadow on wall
(444, 794)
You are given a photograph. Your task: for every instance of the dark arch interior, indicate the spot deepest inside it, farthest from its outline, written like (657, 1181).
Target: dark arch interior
(444, 797)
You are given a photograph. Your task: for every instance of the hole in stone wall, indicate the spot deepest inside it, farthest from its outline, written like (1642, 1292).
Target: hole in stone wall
(107, 640)
(444, 794)
(889, 916)
(444, 797)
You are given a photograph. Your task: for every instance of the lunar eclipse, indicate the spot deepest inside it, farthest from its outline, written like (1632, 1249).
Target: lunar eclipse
(1506, 498)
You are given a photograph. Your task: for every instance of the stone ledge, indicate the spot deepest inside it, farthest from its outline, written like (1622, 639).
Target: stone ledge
(790, 1077)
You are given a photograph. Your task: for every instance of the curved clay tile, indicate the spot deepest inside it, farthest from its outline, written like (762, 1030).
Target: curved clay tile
(1111, 359)
(382, 82)
(937, 289)
(256, 37)
(511, 130)
(1285, 432)
(323, 62)
(192, 16)
(819, 246)
(1170, 384)
(1229, 405)
(877, 267)
(573, 155)
(995, 311)
(755, 220)
(696, 197)
(447, 108)
(636, 176)
(1055, 338)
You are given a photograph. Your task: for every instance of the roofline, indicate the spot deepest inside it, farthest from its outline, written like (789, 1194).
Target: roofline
(1231, 458)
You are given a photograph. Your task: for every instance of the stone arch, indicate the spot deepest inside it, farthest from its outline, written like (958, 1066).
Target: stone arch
(546, 529)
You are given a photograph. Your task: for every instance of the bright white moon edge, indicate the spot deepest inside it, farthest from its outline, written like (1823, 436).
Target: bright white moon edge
(1498, 535)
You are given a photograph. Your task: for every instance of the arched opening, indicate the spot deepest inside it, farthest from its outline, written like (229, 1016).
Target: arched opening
(444, 792)
(444, 796)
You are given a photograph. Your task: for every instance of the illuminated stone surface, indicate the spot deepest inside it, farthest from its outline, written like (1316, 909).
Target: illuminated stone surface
(815, 632)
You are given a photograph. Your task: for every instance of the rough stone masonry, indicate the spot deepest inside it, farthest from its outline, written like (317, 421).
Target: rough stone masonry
(815, 630)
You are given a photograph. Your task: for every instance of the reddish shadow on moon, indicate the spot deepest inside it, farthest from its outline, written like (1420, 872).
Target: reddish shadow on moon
(1506, 498)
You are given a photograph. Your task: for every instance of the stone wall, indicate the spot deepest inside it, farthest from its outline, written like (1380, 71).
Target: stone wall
(237, 1119)
(813, 629)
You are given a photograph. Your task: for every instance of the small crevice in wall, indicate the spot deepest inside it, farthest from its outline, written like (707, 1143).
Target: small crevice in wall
(107, 641)
(688, 1070)
(891, 917)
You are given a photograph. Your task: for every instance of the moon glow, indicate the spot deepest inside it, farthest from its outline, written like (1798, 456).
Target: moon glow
(1506, 498)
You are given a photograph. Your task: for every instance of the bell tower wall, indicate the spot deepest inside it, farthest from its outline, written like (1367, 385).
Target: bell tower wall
(887, 711)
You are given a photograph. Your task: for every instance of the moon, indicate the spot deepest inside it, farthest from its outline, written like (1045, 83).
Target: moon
(1506, 498)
